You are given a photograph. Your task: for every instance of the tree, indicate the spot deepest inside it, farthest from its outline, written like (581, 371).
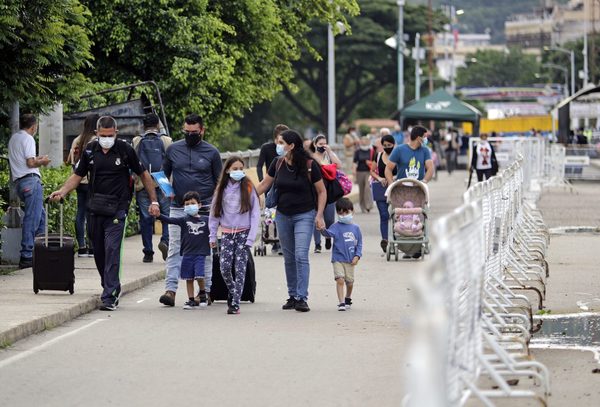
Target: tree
(44, 45)
(364, 64)
(498, 68)
(214, 58)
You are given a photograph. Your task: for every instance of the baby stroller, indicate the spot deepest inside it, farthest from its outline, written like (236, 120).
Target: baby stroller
(268, 232)
(408, 201)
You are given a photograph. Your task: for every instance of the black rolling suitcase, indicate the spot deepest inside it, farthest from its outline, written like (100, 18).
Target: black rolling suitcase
(218, 290)
(54, 260)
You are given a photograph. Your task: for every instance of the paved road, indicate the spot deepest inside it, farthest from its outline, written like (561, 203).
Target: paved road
(151, 355)
(146, 354)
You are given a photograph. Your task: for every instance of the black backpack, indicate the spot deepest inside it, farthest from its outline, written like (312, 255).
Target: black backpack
(151, 151)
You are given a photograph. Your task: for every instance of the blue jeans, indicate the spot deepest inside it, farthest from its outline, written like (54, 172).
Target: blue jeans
(174, 257)
(31, 193)
(329, 217)
(384, 218)
(81, 217)
(147, 221)
(295, 233)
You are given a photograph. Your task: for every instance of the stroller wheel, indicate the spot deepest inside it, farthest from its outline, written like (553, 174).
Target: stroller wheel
(255, 251)
(388, 252)
(396, 255)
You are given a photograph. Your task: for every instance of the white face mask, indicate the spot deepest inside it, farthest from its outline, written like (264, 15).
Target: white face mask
(279, 149)
(106, 142)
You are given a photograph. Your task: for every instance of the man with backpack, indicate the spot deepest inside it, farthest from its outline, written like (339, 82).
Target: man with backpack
(151, 149)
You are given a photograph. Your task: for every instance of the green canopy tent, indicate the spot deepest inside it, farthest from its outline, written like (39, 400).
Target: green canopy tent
(441, 106)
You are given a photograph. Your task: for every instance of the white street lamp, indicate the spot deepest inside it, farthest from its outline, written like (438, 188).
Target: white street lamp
(571, 54)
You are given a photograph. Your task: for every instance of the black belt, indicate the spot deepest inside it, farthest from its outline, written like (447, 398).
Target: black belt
(31, 174)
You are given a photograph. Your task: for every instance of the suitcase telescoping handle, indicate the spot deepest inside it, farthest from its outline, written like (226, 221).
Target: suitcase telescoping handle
(61, 204)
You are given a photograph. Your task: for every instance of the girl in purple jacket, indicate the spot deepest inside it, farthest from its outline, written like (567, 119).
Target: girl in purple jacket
(236, 208)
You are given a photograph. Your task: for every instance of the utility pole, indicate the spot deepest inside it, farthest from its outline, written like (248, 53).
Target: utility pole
(400, 53)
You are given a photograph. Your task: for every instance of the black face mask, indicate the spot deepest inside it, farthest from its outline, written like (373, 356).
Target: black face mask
(388, 150)
(321, 149)
(191, 139)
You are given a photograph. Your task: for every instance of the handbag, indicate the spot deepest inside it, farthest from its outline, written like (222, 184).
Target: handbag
(272, 196)
(103, 204)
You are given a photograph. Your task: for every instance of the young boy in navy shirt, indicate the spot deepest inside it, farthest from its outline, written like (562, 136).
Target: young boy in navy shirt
(346, 252)
(194, 247)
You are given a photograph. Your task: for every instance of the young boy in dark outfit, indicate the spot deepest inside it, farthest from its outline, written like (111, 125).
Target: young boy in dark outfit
(194, 247)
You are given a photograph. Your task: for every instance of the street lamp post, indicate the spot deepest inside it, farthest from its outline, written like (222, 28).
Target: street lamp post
(400, 53)
(331, 127)
(418, 66)
(571, 54)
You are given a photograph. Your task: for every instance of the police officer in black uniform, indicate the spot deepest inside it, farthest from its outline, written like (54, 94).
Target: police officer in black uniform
(108, 163)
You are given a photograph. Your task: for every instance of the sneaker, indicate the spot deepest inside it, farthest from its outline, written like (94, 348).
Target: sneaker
(289, 304)
(342, 307)
(25, 262)
(233, 309)
(107, 306)
(190, 304)
(209, 300)
(83, 252)
(384, 245)
(416, 255)
(168, 298)
(318, 248)
(229, 300)
(348, 302)
(407, 256)
(90, 252)
(302, 306)
(327, 243)
(203, 301)
(164, 249)
(148, 258)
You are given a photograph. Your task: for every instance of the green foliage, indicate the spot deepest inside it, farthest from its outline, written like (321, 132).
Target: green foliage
(562, 59)
(214, 58)
(44, 45)
(498, 68)
(366, 70)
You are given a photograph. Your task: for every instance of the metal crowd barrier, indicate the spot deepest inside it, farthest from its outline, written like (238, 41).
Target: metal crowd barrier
(476, 299)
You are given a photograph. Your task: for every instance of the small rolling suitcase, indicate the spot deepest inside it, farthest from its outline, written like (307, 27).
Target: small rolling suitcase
(54, 259)
(219, 291)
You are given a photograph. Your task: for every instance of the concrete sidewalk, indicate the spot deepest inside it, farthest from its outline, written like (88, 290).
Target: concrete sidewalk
(22, 313)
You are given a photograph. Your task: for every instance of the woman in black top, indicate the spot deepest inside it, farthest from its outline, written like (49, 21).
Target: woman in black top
(379, 186)
(362, 167)
(301, 198)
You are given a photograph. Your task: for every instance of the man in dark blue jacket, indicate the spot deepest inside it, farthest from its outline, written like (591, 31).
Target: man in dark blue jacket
(194, 165)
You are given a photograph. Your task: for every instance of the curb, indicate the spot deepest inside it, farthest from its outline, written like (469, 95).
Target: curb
(41, 324)
(574, 229)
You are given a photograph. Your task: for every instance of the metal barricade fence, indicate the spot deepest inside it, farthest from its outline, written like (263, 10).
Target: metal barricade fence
(483, 253)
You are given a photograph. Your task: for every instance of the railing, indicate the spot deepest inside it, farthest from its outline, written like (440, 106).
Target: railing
(476, 299)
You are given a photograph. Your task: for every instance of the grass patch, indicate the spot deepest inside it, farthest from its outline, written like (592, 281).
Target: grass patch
(5, 344)
(7, 271)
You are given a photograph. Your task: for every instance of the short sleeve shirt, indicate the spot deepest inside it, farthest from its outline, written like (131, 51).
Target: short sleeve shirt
(410, 163)
(296, 192)
(112, 170)
(21, 147)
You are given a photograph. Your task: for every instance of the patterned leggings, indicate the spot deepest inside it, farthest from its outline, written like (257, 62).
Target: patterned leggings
(234, 253)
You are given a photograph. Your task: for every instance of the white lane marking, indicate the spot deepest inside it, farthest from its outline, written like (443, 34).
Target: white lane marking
(142, 300)
(29, 352)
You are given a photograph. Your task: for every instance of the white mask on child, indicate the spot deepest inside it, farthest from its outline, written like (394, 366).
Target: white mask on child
(345, 218)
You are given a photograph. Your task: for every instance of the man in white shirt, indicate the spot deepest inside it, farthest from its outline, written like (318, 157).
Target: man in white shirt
(24, 166)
